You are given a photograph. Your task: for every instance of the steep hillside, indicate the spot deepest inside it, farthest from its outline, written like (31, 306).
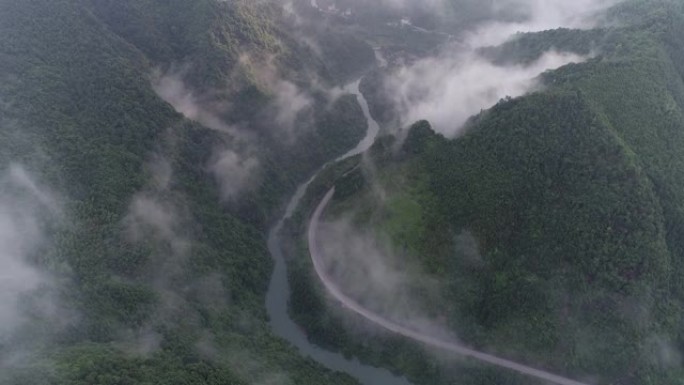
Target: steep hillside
(148, 273)
(554, 221)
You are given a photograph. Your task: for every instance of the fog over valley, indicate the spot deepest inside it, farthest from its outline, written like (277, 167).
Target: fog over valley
(348, 192)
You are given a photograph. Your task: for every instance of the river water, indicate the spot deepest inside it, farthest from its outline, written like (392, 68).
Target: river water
(279, 289)
(279, 294)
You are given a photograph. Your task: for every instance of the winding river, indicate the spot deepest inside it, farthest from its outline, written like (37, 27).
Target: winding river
(279, 289)
(279, 293)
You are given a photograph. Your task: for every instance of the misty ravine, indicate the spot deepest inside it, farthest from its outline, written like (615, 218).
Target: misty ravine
(279, 287)
(422, 92)
(279, 293)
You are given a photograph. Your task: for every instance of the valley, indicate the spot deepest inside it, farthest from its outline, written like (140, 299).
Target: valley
(341, 192)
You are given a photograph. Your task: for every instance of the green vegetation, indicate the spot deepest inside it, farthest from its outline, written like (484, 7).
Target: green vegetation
(78, 112)
(554, 222)
(573, 195)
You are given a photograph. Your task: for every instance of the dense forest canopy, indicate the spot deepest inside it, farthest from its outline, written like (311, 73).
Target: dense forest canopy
(147, 147)
(551, 220)
(151, 270)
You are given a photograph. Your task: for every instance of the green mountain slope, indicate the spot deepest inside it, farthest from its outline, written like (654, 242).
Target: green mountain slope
(573, 197)
(79, 113)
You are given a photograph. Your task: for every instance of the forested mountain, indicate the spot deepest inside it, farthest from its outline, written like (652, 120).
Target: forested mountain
(148, 146)
(553, 222)
(153, 267)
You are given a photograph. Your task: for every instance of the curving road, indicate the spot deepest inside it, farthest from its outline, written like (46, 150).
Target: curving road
(278, 294)
(390, 325)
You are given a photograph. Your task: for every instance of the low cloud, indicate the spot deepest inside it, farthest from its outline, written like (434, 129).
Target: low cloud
(160, 171)
(288, 104)
(287, 100)
(157, 217)
(233, 170)
(394, 5)
(17, 233)
(150, 218)
(664, 352)
(155, 214)
(448, 88)
(520, 15)
(235, 173)
(172, 89)
(535, 16)
(28, 292)
(235, 165)
(365, 268)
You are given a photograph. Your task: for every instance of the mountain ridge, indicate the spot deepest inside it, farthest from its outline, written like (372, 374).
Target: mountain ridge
(572, 195)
